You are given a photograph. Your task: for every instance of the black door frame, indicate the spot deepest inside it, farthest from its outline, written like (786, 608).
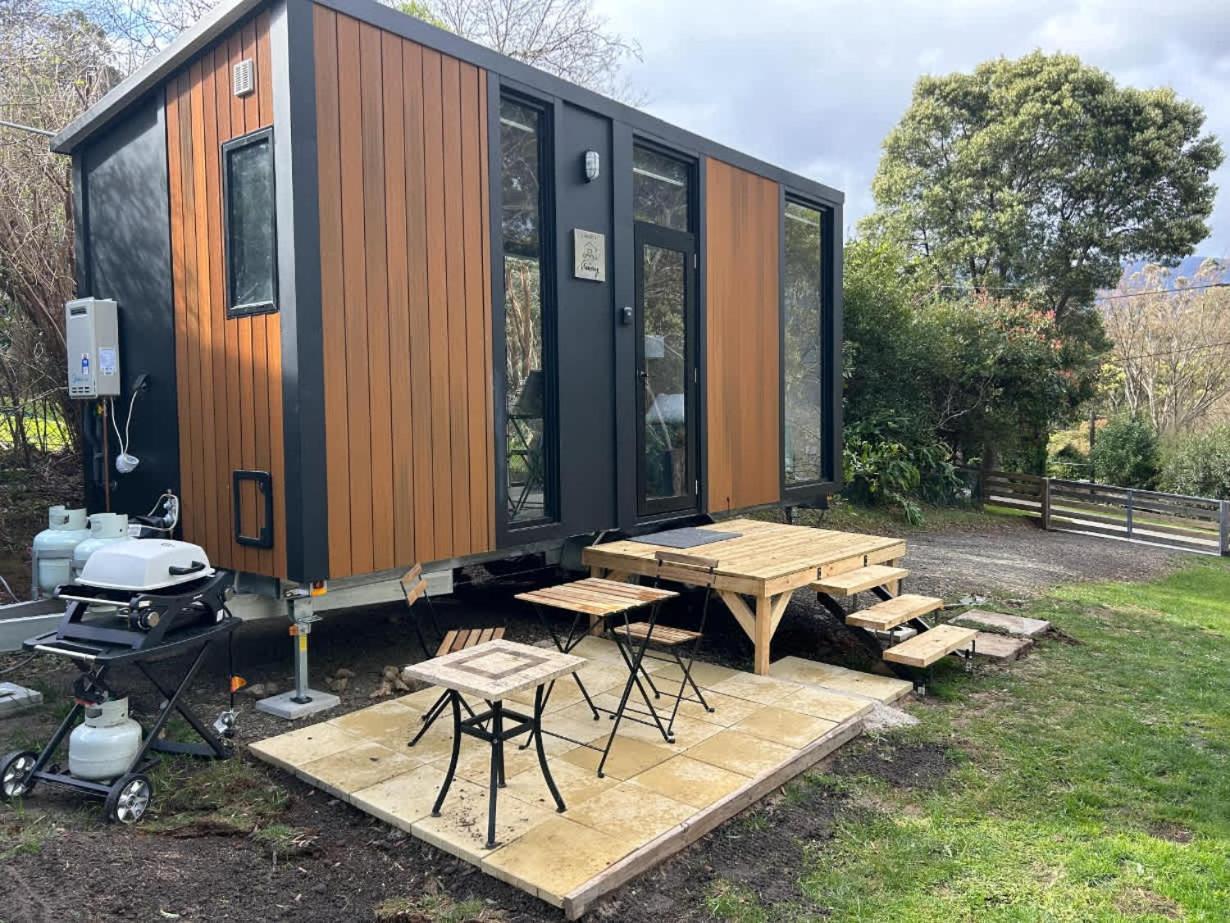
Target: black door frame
(646, 234)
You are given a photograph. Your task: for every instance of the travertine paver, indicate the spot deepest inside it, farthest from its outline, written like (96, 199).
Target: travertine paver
(745, 754)
(760, 724)
(763, 689)
(886, 689)
(305, 744)
(832, 706)
(690, 781)
(628, 756)
(781, 725)
(1000, 647)
(631, 814)
(461, 828)
(359, 767)
(554, 857)
(705, 674)
(577, 785)
(402, 799)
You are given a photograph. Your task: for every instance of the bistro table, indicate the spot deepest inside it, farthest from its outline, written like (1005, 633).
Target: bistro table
(609, 600)
(492, 671)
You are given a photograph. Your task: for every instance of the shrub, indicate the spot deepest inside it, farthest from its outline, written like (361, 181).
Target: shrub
(882, 467)
(1198, 464)
(1126, 454)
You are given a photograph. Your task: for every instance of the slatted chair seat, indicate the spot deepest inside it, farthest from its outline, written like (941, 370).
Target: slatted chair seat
(665, 635)
(459, 639)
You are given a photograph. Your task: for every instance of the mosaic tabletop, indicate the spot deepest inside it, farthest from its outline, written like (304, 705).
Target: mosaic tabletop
(495, 670)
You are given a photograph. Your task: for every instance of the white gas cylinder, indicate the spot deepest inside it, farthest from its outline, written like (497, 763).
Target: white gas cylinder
(53, 548)
(105, 528)
(103, 746)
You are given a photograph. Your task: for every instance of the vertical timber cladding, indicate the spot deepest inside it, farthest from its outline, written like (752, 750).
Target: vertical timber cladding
(742, 294)
(406, 299)
(228, 370)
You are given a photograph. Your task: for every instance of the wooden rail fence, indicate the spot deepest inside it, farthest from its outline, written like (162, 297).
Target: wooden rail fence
(1199, 524)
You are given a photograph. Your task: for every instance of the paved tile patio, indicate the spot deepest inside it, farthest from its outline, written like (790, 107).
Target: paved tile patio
(656, 798)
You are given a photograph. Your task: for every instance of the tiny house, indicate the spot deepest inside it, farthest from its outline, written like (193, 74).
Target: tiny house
(398, 298)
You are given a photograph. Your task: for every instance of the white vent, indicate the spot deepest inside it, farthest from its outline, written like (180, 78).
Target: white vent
(243, 77)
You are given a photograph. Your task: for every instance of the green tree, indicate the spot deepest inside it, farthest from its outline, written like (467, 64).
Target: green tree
(1126, 454)
(1043, 174)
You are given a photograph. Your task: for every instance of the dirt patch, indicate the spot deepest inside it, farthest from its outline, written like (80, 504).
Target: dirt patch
(901, 765)
(1139, 902)
(1172, 832)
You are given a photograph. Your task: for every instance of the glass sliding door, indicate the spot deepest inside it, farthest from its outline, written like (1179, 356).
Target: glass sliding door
(803, 349)
(666, 335)
(529, 432)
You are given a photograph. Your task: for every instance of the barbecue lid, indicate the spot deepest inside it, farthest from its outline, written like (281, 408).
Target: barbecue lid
(145, 564)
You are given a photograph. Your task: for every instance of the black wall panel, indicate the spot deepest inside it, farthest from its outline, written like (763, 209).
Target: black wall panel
(127, 257)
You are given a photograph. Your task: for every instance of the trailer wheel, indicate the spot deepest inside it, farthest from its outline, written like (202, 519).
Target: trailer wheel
(129, 799)
(13, 771)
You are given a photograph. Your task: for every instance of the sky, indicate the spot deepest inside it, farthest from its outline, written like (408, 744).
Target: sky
(815, 87)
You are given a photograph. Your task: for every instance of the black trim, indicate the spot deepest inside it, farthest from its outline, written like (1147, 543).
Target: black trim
(264, 487)
(81, 222)
(228, 148)
(685, 243)
(305, 485)
(506, 530)
(794, 493)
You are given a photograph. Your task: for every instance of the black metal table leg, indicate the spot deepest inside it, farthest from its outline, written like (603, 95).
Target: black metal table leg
(634, 680)
(452, 763)
(565, 647)
(497, 767)
(539, 702)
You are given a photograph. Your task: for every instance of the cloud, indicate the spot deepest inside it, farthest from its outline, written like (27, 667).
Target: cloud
(815, 87)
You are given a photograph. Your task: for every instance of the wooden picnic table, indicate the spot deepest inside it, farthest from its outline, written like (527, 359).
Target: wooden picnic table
(759, 570)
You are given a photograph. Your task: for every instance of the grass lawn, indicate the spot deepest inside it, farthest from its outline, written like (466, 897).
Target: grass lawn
(1089, 782)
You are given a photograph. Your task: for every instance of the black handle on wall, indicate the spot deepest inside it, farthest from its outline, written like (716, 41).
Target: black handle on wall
(264, 487)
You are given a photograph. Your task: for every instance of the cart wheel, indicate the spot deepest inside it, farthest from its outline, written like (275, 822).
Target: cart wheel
(129, 799)
(13, 771)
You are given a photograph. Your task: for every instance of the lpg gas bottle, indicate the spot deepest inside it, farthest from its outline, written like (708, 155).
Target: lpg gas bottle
(105, 528)
(103, 746)
(53, 548)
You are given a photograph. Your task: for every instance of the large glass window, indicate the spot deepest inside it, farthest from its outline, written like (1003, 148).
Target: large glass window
(251, 237)
(526, 457)
(660, 189)
(803, 295)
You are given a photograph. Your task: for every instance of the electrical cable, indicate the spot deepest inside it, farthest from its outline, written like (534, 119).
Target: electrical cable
(124, 462)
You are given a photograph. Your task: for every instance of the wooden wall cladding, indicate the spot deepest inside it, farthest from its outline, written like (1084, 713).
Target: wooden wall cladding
(406, 304)
(228, 370)
(742, 231)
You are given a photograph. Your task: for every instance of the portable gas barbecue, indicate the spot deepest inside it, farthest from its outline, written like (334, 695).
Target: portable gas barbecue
(136, 601)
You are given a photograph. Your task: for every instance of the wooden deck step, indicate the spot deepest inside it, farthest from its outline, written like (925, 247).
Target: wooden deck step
(925, 649)
(893, 612)
(858, 581)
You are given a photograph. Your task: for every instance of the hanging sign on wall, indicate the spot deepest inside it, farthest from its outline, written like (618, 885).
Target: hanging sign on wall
(589, 255)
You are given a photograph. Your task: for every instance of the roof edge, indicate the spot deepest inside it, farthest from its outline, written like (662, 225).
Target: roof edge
(193, 39)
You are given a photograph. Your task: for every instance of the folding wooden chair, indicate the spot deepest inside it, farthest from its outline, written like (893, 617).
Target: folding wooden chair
(681, 643)
(414, 586)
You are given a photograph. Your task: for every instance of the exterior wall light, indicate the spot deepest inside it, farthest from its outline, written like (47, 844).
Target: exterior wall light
(592, 166)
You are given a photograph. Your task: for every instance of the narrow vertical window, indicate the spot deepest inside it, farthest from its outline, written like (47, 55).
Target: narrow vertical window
(803, 309)
(527, 460)
(251, 230)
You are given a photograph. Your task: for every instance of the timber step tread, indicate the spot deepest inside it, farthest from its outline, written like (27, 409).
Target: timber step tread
(857, 581)
(893, 612)
(925, 649)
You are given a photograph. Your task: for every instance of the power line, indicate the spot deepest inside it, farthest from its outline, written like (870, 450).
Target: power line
(1164, 291)
(1172, 352)
(36, 131)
